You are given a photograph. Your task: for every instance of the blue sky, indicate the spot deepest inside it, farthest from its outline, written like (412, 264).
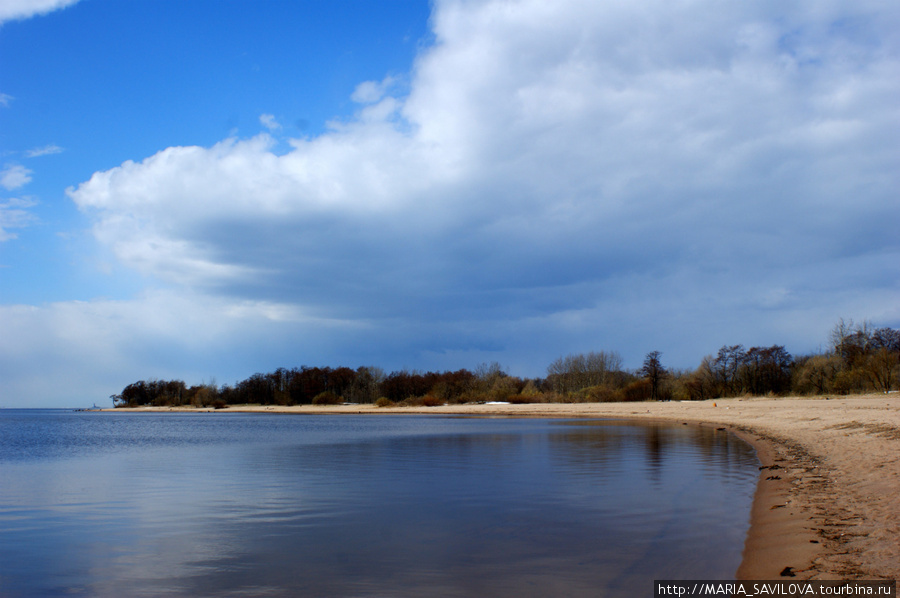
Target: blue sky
(203, 190)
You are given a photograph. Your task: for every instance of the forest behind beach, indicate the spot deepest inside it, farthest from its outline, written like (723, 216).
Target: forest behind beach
(860, 358)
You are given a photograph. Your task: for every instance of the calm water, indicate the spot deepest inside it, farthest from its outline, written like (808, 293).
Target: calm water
(289, 505)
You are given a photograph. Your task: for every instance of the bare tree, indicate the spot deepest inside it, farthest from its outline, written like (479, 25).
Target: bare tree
(654, 372)
(882, 369)
(584, 370)
(727, 366)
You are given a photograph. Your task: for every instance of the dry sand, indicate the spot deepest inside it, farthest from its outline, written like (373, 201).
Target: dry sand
(827, 504)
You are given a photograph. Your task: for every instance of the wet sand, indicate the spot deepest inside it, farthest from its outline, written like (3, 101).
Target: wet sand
(827, 504)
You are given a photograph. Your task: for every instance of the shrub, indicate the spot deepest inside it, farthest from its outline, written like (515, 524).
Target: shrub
(384, 402)
(639, 390)
(848, 381)
(553, 397)
(327, 398)
(431, 401)
(604, 394)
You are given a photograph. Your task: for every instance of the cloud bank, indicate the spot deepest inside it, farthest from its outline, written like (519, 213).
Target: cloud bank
(555, 177)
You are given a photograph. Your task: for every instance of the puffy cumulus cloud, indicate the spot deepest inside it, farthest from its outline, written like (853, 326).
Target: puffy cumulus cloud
(12, 10)
(720, 170)
(245, 215)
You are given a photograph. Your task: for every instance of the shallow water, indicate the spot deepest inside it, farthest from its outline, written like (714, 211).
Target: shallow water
(229, 504)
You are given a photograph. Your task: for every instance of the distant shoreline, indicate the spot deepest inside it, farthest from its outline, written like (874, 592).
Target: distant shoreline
(825, 505)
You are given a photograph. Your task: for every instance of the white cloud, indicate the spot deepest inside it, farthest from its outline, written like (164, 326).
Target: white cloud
(370, 92)
(14, 176)
(269, 122)
(46, 150)
(528, 119)
(14, 214)
(5, 99)
(626, 175)
(11, 10)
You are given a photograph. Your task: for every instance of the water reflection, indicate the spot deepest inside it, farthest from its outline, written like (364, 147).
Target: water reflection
(285, 506)
(601, 443)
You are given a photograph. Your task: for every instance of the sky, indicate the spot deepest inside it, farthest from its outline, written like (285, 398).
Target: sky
(202, 190)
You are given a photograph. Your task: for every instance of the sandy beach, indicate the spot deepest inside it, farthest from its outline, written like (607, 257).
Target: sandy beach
(827, 504)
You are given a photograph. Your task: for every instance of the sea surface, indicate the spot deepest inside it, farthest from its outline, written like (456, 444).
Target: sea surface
(229, 504)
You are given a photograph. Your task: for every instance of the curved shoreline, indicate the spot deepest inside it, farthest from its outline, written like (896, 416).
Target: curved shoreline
(779, 542)
(825, 505)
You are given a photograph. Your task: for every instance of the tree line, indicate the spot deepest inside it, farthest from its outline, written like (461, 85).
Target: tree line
(860, 358)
